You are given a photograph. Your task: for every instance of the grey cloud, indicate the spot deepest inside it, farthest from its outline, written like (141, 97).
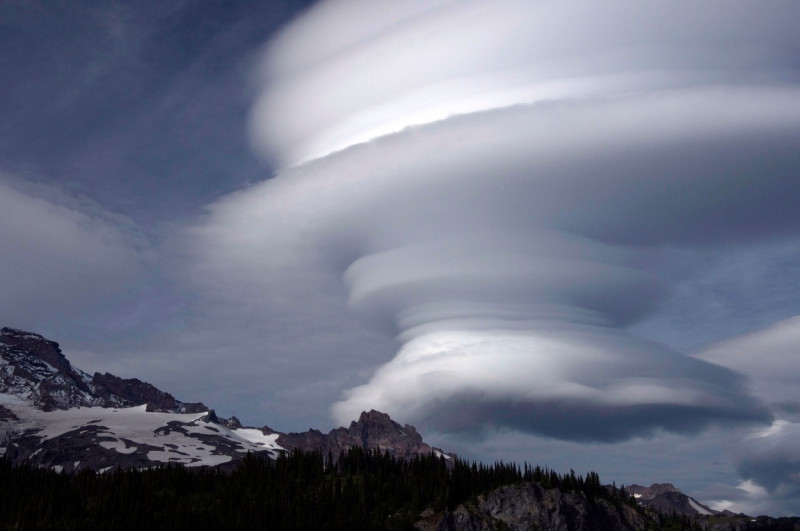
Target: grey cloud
(63, 256)
(769, 357)
(502, 209)
(576, 382)
(771, 458)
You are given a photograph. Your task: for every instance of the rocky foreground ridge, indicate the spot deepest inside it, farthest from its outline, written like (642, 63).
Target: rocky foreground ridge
(530, 506)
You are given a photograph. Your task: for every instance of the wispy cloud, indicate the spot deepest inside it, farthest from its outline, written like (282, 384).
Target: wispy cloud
(64, 255)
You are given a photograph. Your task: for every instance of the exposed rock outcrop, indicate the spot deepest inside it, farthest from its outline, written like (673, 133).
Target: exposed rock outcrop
(34, 369)
(373, 431)
(106, 421)
(666, 498)
(529, 506)
(648, 493)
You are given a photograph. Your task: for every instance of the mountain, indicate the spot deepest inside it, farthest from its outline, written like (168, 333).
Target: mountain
(665, 498)
(34, 369)
(529, 506)
(373, 431)
(55, 415)
(58, 418)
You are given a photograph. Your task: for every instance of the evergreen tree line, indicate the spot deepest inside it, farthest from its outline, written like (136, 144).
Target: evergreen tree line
(302, 490)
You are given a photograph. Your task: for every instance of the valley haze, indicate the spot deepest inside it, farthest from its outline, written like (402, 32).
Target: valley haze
(557, 233)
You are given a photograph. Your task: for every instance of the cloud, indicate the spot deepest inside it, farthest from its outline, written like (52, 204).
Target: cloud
(381, 70)
(769, 457)
(769, 357)
(566, 381)
(495, 186)
(67, 256)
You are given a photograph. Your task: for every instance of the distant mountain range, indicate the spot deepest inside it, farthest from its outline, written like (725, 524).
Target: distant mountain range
(56, 416)
(53, 414)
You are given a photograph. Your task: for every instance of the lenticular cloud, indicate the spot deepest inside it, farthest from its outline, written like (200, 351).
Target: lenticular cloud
(497, 184)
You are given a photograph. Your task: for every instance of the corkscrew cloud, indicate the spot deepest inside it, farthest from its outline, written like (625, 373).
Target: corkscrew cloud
(502, 187)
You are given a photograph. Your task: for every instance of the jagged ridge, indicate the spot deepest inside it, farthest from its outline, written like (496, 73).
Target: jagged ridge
(35, 369)
(53, 414)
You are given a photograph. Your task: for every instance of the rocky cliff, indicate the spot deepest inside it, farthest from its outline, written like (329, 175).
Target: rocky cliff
(55, 415)
(373, 431)
(529, 506)
(35, 369)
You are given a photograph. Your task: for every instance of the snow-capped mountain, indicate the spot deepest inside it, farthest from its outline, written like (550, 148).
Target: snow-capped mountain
(53, 414)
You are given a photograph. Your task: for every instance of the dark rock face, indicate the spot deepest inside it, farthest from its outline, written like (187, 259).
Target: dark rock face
(648, 493)
(43, 349)
(373, 431)
(138, 392)
(665, 498)
(7, 415)
(35, 369)
(529, 506)
(678, 503)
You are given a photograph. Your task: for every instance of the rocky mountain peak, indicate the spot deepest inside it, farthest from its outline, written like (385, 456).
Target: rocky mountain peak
(648, 493)
(34, 369)
(376, 425)
(54, 414)
(373, 430)
(36, 346)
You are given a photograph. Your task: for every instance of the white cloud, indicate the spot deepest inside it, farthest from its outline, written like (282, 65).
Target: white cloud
(491, 221)
(349, 71)
(512, 173)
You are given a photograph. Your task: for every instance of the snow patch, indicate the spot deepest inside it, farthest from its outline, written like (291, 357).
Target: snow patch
(257, 437)
(259, 441)
(119, 446)
(211, 460)
(182, 438)
(699, 508)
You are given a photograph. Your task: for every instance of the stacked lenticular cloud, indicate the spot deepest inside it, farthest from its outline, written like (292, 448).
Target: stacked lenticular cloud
(500, 185)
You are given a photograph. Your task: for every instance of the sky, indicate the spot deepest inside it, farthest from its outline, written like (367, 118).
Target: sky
(557, 232)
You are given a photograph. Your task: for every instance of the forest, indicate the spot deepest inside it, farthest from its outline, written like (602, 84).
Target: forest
(362, 489)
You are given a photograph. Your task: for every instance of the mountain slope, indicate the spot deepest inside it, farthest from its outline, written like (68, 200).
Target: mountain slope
(530, 506)
(53, 414)
(34, 368)
(665, 498)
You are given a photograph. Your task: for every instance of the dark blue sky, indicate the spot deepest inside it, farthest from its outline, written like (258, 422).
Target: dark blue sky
(139, 105)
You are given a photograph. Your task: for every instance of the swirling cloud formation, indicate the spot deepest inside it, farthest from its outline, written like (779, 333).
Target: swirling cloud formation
(497, 184)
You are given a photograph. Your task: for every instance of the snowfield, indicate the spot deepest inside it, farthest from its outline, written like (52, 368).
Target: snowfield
(178, 438)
